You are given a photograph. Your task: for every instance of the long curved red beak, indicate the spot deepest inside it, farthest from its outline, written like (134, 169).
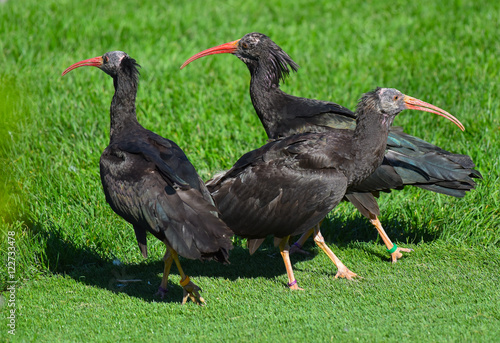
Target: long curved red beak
(227, 48)
(415, 104)
(92, 62)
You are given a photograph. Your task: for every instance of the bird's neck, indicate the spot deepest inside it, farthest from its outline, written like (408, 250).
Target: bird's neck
(369, 142)
(122, 112)
(267, 99)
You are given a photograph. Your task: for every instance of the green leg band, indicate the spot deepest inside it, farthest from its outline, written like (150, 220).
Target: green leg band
(393, 249)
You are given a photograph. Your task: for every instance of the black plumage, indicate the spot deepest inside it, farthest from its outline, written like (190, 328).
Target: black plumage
(290, 184)
(408, 160)
(149, 181)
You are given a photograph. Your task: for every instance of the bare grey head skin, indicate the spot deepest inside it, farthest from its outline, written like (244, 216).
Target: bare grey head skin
(111, 62)
(115, 62)
(390, 103)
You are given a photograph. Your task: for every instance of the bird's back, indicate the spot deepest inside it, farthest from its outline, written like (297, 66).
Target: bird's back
(282, 188)
(149, 181)
(409, 160)
(283, 114)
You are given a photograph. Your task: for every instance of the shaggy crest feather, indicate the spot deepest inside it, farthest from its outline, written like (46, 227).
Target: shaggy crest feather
(280, 66)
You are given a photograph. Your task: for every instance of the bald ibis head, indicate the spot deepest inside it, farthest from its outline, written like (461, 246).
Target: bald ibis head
(390, 102)
(252, 49)
(111, 62)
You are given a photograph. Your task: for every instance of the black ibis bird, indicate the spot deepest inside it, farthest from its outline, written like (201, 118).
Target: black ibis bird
(149, 182)
(408, 160)
(288, 185)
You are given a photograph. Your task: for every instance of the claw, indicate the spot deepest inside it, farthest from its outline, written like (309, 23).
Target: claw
(345, 273)
(398, 254)
(193, 292)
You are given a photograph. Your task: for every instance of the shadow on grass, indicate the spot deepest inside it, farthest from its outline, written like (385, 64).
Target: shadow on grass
(343, 233)
(59, 255)
(84, 264)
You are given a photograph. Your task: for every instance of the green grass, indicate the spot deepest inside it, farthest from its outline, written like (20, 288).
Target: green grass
(66, 237)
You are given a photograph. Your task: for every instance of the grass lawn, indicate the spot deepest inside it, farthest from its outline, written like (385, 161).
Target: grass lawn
(71, 250)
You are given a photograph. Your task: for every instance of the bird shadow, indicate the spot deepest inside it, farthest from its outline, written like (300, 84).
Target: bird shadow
(84, 264)
(141, 280)
(345, 233)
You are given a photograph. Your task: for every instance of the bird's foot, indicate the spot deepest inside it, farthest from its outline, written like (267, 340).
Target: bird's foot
(294, 287)
(192, 291)
(297, 248)
(345, 273)
(161, 292)
(398, 253)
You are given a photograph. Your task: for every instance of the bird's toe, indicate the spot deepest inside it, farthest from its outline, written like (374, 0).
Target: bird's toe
(192, 291)
(398, 254)
(296, 288)
(346, 274)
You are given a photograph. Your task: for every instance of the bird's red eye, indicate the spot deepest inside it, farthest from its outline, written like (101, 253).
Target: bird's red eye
(105, 59)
